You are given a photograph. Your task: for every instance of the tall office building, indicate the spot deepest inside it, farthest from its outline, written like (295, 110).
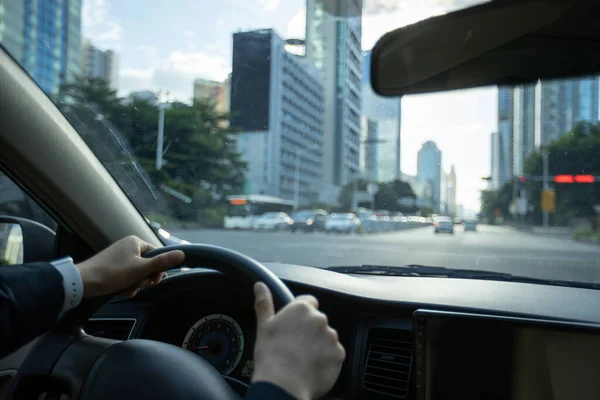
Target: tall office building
(369, 149)
(505, 134)
(495, 161)
(277, 103)
(333, 44)
(523, 126)
(451, 191)
(429, 170)
(386, 112)
(44, 36)
(564, 103)
(97, 63)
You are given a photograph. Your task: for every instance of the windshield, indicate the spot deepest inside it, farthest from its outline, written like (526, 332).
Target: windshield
(211, 114)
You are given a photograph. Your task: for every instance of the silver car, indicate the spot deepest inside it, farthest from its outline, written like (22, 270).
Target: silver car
(443, 224)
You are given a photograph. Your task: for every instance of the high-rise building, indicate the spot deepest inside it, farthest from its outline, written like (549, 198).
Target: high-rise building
(429, 170)
(333, 44)
(505, 134)
(97, 63)
(386, 111)
(207, 90)
(44, 36)
(451, 191)
(495, 161)
(563, 103)
(523, 126)
(369, 149)
(277, 104)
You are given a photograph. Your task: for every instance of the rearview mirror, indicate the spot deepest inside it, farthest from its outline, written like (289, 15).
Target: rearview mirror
(502, 42)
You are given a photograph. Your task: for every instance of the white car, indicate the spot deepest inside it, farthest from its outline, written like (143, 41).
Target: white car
(443, 224)
(273, 221)
(346, 223)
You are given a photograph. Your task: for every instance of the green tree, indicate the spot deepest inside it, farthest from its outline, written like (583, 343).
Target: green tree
(573, 153)
(201, 160)
(386, 198)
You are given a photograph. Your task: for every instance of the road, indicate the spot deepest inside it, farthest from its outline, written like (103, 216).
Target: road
(492, 248)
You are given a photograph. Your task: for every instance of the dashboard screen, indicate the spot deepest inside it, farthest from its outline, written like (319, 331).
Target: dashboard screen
(463, 356)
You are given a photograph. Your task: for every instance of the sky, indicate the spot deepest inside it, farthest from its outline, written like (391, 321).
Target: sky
(166, 44)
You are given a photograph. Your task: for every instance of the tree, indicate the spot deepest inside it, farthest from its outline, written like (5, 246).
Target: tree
(386, 198)
(201, 160)
(573, 153)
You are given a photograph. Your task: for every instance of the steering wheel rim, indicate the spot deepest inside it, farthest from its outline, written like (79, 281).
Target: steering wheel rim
(78, 361)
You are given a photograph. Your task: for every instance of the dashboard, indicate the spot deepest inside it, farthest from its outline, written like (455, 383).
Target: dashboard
(405, 337)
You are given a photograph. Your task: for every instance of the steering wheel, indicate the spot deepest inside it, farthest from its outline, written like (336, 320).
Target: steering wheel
(67, 360)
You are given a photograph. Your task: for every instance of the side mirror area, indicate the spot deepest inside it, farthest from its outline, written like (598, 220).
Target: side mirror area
(23, 241)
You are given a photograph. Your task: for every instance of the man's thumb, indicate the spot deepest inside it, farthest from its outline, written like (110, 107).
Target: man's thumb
(263, 303)
(166, 261)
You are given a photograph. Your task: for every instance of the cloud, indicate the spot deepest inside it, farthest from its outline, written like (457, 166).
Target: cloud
(297, 26)
(268, 5)
(175, 74)
(149, 51)
(98, 24)
(191, 38)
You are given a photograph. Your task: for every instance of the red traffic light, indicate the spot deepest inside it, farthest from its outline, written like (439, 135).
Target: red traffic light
(585, 178)
(574, 178)
(522, 179)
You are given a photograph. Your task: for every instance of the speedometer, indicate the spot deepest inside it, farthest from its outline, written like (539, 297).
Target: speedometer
(219, 340)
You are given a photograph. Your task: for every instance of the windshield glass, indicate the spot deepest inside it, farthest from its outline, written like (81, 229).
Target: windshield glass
(211, 114)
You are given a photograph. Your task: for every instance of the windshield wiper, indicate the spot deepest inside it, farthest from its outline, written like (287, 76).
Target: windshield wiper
(443, 272)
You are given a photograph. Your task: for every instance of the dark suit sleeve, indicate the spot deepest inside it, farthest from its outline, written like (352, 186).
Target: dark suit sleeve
(31, 298)
(267, 391)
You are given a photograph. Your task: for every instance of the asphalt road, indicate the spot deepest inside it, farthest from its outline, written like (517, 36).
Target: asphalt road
(491, 248)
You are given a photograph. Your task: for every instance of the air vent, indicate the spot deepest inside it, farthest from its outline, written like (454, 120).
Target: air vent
(110, 328)
(389, 358)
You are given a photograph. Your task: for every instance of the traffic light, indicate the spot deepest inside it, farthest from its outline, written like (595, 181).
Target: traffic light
(574, 178)
(522, 179)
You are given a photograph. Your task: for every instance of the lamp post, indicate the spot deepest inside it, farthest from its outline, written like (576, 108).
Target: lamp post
(162, 105)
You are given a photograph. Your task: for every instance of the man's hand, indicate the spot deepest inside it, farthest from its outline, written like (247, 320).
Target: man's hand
(296, 349)
(121, 268)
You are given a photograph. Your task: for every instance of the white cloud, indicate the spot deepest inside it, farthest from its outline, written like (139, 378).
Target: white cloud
(268, 5)
(297, 26)
(97, 24)
(175, 74)
(191, 38)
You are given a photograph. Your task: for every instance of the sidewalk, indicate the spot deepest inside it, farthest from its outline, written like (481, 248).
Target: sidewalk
(552, 231)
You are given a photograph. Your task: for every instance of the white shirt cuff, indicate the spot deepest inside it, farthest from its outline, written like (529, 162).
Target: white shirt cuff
(72, 283)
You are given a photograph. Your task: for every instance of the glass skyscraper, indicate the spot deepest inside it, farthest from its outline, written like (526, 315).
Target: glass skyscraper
(44, 36)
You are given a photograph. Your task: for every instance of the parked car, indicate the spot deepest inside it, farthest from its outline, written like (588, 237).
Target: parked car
(470, 225)
(343, 223)
(309, 220)
(273, 221)
(443, 224)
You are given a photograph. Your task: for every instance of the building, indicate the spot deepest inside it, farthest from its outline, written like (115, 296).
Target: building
(44, 36)
(564, 103)
(207, 90)
(333, 44)
(369, 149)
(386, 112)
(278, 105)
(523, 126)
(429, 170)
(422, 190)
(451, 191)
(505, 134)
(100, 64)
(146, 95)
(494, 182)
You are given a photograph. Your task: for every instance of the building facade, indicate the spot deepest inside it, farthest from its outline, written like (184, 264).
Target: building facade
(369, 150)
(44, 36)
(277, 104)
(387, 112)
(494, 182)
(333, 45)
(97, 63)
(429, 171)
(505, 134)
(523, 126)
(451, 191)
